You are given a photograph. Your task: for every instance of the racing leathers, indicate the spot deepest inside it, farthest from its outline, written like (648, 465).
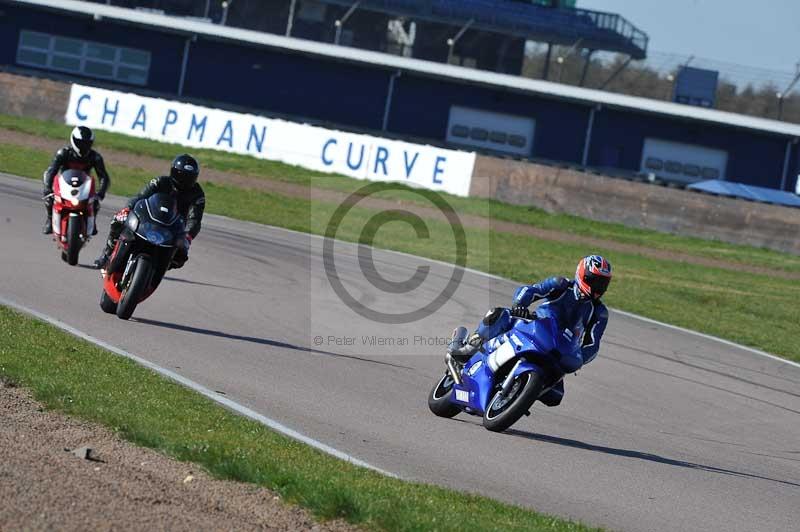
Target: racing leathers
(573, 311)
(191, 204)
(67, 159)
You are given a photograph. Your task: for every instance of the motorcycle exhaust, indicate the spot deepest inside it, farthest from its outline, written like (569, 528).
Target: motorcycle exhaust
(452, 369)
(457, 341)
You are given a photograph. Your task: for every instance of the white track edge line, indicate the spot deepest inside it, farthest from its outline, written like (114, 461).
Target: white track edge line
(499, 278)
(199, 388)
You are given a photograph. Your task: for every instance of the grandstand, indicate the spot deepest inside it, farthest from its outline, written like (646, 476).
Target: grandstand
(392, 95)
(484, 34)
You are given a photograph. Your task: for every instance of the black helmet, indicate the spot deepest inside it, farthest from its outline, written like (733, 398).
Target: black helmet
(184, 172)
(81, 140)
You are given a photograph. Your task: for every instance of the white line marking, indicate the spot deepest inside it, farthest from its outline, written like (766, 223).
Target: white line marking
(199, 388)
(495, 277)
(708, 337)
(498, 278)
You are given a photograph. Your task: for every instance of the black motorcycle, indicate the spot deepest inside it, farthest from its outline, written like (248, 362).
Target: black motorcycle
(144, 252)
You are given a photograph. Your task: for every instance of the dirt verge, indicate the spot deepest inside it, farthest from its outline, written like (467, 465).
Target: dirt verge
(153, 166)
(120, 486)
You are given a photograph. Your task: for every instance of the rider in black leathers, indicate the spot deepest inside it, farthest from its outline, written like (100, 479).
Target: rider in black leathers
(182, 183)
(79, 155)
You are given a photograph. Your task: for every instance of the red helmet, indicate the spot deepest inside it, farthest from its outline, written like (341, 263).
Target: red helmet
(593, 276)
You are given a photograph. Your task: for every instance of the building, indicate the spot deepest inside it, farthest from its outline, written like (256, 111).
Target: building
(393, 95)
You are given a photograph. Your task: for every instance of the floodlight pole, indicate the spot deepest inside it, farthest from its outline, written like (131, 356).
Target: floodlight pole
(290, 22)
(451, 42)
(546, 66)
(782, 95)
(616, 73)
(340, 22)
(225, 6)
(562, 58)
(586, 63)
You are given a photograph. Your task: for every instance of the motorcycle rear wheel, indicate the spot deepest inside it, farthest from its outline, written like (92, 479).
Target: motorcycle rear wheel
(504, 411)
(138, 285)
(439, 398)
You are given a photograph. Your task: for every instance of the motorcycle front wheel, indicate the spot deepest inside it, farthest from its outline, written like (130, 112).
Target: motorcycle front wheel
(137, 287)
(505, 410)
(74, 241)
(107, 304)
(439, 398)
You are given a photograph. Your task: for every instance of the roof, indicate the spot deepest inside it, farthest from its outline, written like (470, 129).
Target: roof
(589, 97)
(594, 29)
(748, 192)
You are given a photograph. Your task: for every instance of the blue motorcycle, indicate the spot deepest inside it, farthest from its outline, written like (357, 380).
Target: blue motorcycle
(519, 361)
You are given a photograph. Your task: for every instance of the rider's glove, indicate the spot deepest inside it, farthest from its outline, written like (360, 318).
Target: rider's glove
(518, 311)
(122, 215)
(182, 253)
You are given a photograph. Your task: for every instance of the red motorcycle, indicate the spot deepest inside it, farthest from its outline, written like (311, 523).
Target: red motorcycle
(73, 213)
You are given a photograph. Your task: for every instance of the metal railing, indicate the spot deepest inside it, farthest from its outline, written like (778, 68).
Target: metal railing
(520, 18)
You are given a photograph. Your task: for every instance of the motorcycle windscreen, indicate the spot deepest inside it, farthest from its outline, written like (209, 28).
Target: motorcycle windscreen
(161, 209)
(156, 217)
(74, 178)
(154, 233)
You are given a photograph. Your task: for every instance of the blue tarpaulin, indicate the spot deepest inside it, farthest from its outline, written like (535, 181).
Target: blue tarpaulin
(749, 192)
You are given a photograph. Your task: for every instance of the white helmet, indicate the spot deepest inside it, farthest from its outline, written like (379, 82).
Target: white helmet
(81, 140)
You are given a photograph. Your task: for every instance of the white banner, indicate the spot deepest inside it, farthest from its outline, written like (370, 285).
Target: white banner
(316, 148)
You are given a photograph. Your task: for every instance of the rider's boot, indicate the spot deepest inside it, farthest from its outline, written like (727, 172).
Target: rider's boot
(462, 353)
(102, 261)
(47, 228)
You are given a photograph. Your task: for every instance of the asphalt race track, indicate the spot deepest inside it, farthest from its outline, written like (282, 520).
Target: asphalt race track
(664, 431)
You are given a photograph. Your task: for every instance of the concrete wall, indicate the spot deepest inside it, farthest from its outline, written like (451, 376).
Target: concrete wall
(637, 204)
(34, 97)
(550, 188)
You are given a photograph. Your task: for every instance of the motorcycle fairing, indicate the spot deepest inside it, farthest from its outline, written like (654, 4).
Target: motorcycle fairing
(531, 345)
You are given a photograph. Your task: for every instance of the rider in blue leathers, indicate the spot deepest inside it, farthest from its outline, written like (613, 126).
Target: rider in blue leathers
(575, 303)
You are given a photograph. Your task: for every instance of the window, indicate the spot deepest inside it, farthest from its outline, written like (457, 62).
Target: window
(692, 170)
(311, 11)
(654, 163)
(460, 131)
(498, 137)
(478, 133)
(674, 167)
(518, 141)
(86, 58)
(710, 173)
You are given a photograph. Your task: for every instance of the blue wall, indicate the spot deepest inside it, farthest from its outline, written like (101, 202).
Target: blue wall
(353, 95)
(753, 158)
(166, 49)
(297, 85)
(422, 105)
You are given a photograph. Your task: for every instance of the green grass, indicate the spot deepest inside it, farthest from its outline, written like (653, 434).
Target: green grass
(80, 379)
(755, 310)
(270, 170)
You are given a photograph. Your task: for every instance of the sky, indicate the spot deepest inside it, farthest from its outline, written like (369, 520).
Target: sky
(755, 33)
